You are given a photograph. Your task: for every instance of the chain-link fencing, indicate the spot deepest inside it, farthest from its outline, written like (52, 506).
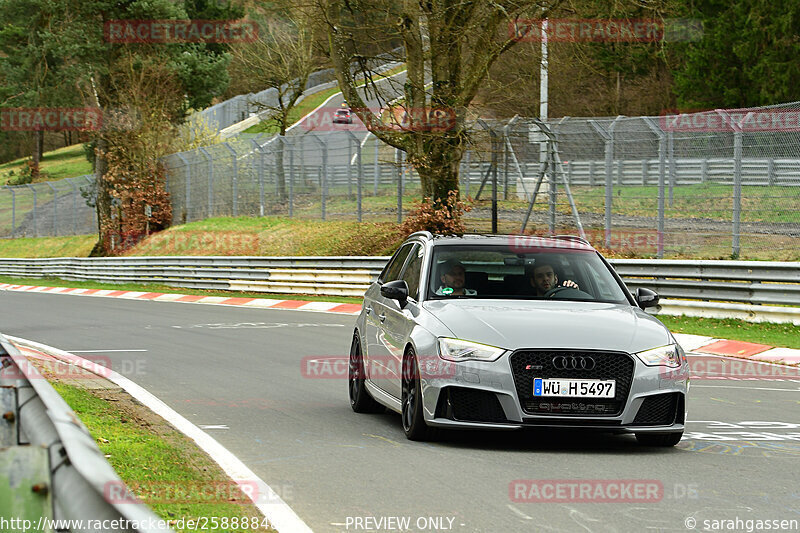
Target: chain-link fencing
(702, 185)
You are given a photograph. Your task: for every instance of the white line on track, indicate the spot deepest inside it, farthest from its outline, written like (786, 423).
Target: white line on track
(102, 351)
(277, 511)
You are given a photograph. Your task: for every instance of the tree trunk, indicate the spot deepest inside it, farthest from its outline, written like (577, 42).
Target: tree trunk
(102, 202)
(37, 154)
(437, 161)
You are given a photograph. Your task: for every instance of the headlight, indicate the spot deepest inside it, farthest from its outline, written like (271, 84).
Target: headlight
(458, 350)
(670, 355)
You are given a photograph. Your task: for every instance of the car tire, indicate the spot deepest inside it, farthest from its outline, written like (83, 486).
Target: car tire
(659, 439)
(414, 425)
(360, 400)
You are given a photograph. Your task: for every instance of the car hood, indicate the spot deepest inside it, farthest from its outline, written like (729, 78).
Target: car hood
(550, 324)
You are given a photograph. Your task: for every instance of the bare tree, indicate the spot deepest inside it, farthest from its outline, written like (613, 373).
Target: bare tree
(282, 58)
(451, 43)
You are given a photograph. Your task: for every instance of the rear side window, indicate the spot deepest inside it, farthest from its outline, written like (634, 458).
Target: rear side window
(392, 270)
(412, 272)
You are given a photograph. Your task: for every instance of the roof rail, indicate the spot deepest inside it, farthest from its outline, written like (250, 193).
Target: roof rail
(575, 238)
(423, 233)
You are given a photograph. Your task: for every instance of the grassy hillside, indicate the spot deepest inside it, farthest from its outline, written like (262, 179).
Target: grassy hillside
(66, 162)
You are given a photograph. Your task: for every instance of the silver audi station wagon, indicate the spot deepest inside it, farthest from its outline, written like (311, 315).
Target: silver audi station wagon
(504, 332)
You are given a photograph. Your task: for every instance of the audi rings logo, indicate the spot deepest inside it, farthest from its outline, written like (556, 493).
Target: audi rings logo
(563, 362)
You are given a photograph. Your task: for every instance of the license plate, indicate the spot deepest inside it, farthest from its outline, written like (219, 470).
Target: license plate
(574, 388)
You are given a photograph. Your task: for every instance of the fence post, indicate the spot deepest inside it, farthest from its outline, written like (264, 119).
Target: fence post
(353, 139)
(13, 208)
(662, 153)
(376, 169)
(55, 208)
(703, 170)
(608, 137)
(235, 179)
(591, 173)
(323, 171)
(210, 182)
(737, 177)
(671, 151)
(188, 175)
(398, 171)
(770, 172)
(35, 224)
(645, 171)
(74, 206)
(260, 151)
(290, 144)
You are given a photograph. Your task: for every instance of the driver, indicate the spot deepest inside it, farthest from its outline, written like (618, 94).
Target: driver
(453, 280)
(544, 278)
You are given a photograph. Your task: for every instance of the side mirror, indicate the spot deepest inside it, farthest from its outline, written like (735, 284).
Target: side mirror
(646, 298)
(396, 290)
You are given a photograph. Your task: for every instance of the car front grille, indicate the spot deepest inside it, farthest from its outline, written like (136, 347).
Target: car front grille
(470, 405)
(529, 364)
(658, 410)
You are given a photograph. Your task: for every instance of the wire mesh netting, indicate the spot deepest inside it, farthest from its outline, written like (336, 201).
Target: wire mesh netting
(708, 185)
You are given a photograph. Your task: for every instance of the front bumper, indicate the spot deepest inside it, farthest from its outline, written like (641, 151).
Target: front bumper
(494, 395)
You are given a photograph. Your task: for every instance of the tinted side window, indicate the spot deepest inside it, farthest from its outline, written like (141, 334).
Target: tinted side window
(392, 270)
(413, 270)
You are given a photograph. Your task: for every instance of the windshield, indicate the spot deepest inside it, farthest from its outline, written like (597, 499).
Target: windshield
(480, 271)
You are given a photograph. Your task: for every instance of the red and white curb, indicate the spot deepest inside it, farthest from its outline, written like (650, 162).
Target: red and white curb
(739, 349)
(261, 303)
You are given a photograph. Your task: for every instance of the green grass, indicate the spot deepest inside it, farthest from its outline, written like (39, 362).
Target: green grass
(272, 236)
(159, 465)
(772, 334)
(154, 287)
(309, 103)
(72, 246)
(66, 162)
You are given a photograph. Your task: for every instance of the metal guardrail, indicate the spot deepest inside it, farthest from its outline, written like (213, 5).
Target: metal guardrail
(52, 466)
(748, 282)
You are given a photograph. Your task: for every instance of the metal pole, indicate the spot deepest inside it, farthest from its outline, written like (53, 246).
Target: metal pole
(469, 164)
(353, 138)
(235, 179)
(552, 188)
(94, 198)
(291, 178)
(13, 208)
(397, 162)
(55, 208)
(188, 200)
(260, 176)
(376, 170)
(210, 182)
(323, 171)
(35, 225)
(662, 155)
(495, 156)
(671, 152)
(737, 190)
(74, 206)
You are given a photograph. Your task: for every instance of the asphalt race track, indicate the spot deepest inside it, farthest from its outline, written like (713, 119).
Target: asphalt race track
(239, 371)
